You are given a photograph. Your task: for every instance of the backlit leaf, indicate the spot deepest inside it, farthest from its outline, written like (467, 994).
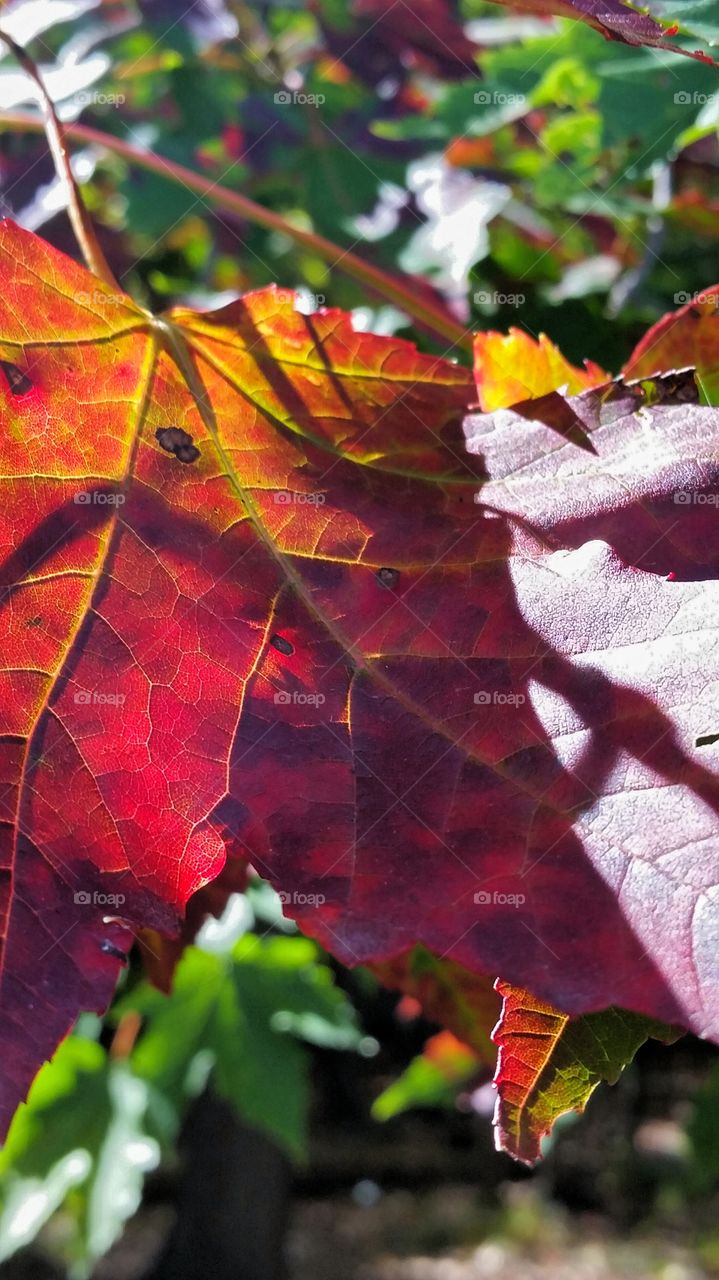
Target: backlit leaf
(550, 1064)
(444, 683)
(688, 336)
(174, 561)
(514, 366)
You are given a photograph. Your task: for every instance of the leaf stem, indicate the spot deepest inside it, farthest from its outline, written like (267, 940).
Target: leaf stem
(55, 134)
(426, 312)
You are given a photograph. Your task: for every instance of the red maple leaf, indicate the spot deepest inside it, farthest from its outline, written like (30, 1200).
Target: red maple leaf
(263, 591)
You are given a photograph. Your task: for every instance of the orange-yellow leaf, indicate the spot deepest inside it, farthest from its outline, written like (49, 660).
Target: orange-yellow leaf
(513, 367)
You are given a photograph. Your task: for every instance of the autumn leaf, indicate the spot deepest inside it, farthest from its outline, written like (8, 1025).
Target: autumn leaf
(550, 1064)
(553, 813)
(264, 593)
(547, 1064)
(613, 19)
(687, 336)
(182, 502)
(514, 366)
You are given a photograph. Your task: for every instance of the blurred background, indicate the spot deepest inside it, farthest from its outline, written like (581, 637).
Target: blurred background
(277, 1117)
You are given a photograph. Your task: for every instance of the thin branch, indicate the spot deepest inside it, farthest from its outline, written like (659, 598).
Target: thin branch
(55, 134)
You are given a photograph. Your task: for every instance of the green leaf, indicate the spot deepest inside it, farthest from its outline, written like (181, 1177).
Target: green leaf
(80, 1140)
(240, 1017)
(568, 83)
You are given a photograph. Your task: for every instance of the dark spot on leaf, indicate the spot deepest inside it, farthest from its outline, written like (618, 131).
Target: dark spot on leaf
(171, 438)
(187, 453)
(388, 578)
(34, 622)
(282, 646)
(175, 440)
(18, 382)
(111, 950)
(707, 740)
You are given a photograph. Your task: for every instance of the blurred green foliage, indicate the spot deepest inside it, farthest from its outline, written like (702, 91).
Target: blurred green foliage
(587, 170)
